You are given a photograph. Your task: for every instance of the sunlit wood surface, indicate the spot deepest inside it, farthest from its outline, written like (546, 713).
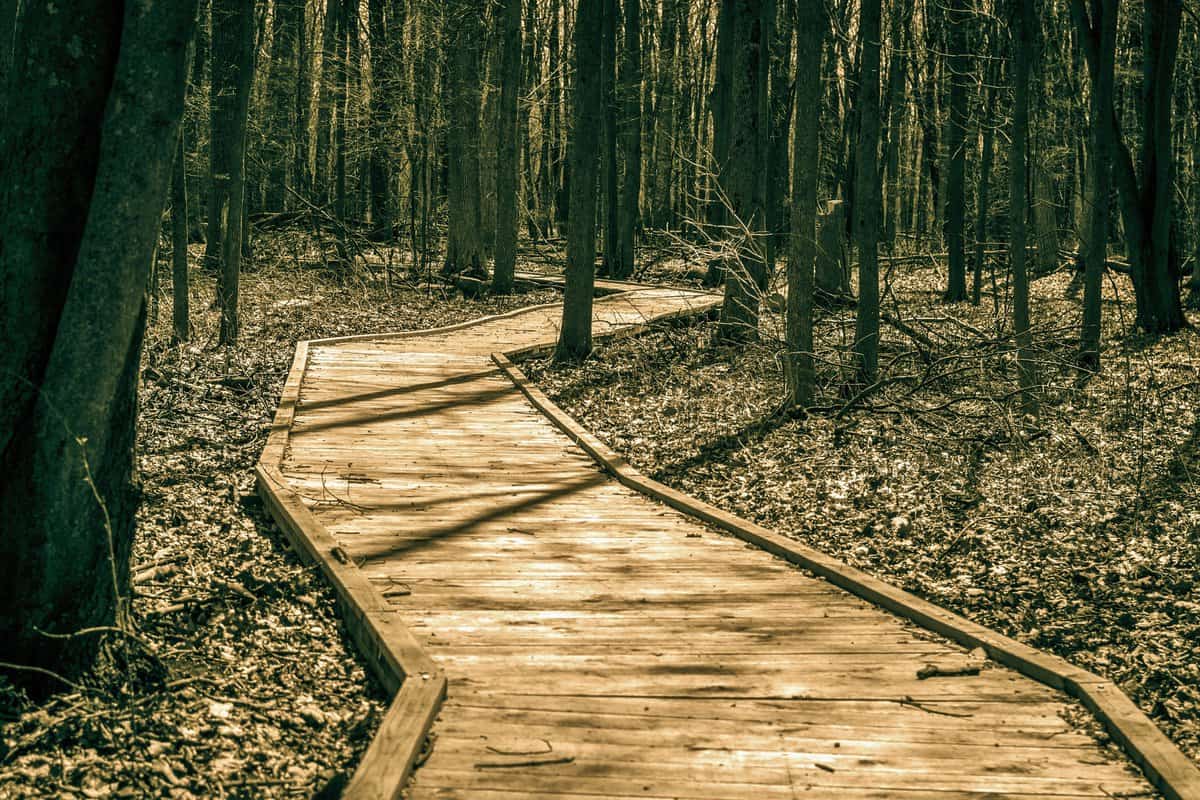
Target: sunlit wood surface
(601, 645)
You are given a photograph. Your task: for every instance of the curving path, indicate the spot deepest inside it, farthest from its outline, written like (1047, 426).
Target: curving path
(597, 643)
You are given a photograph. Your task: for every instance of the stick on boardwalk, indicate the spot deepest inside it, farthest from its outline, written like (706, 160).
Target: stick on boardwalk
(598, 644)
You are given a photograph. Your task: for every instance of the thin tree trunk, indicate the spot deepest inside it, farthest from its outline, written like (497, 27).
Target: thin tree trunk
(1101, 35)
(1023, 31)
(233, 72)
(386, 69)
(866, 196)
(630, 133)
(955, 214)
(608, 152)
(741, 174)
(798, 362)
(507, 161)
(181, 326)
(983, 207)
(464, 245)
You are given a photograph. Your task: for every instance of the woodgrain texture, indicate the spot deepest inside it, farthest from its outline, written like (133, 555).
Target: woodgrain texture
(600, 636)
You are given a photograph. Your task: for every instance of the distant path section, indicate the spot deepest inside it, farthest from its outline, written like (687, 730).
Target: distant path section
(564, 635)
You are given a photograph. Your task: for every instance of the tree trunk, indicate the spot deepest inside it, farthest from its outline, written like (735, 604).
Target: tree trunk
(102, 96)
(181, 326)
(232, 74)
(955, 214)
(779, 125)
(1045, 222)
(575, 338)
(387, 71)
(1102, 33)
(302, 152)
(507, 160)
(608, 177)
(9, 11)
(798, 360)
(630, 132)
(488, 144)
(740, 176)
(464, 245)
(1023, 32)
(866, 194)
(325, 96)
(983, 198)
(895, 117)
(664, 116)
(281, 123)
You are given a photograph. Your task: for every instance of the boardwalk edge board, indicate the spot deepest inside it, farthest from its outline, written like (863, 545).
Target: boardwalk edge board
(1163, 763)
(391, 652)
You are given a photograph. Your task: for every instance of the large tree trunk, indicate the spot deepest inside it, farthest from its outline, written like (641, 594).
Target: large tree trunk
(866, 196)
(102, 97)
(232, 74)
(575, 337)
(1023, 32)
(1147, 209)
(1156, 270)
(798, 360)
(464, 239)
(630, 132)
(956, 154)
(740, 176)
(507, 159)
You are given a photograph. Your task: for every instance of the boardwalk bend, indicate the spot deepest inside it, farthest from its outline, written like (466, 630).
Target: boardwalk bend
(565, 628)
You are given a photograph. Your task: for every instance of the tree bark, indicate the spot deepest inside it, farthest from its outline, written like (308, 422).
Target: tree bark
(1102, 34)
(798, 361)
(507, 159)
(102, 99)
(232, 74)
(866, 196)
(1023, 31)
(664, 116)
(983, 198)
(630, 133)
(181, 326)
(386, 72)
(575, 337)
(608, 177)
(956, 154)
(740, 176)
(464, 242)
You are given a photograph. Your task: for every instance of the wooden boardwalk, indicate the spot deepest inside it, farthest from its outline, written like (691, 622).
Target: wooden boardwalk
(599, 644)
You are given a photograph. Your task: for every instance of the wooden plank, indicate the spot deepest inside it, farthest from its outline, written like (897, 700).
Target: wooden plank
(1162, 762)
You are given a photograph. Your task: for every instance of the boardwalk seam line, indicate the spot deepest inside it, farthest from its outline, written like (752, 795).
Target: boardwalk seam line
(1163, 763)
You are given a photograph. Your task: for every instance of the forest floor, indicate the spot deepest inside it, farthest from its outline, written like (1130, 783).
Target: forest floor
(1075, 529)
(253, 689)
